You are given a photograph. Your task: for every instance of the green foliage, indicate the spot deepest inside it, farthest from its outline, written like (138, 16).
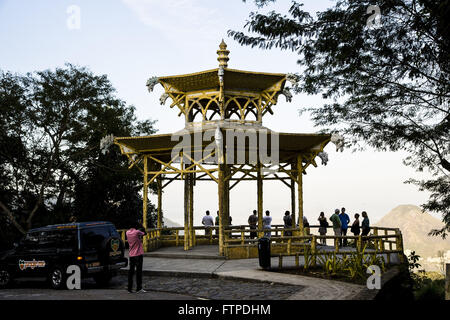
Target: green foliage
(51, 165)
(413, 263)
(386, 87)
(308, 257)
(425, 285)
(353, 266)
(428, 288)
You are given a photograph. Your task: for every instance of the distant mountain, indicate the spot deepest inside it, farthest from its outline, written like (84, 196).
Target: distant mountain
(170, 224)
(415, 227)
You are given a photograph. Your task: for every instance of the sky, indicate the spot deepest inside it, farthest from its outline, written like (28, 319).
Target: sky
(133, 40)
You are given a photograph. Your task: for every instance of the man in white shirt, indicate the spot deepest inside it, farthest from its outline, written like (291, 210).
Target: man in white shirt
(267, 221)
(208, 222)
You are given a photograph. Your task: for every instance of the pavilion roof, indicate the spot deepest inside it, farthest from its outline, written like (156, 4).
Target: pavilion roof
(162, 145)
(234, 80)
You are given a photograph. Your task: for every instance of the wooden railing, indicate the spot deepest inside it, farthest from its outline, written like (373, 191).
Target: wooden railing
(239, 244)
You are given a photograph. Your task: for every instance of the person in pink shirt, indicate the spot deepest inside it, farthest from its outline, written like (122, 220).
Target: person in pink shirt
(136, 252)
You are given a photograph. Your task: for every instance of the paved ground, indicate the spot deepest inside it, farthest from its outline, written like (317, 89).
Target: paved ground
(173, 274)
(157, 287)
(39, 290)
(193, 263)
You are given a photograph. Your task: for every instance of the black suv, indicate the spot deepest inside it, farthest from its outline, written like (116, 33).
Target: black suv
(48, 251)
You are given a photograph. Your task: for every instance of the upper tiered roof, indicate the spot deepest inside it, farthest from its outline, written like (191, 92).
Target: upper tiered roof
(222, 93)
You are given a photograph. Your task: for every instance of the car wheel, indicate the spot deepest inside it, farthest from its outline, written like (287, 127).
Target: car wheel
(5, 278)
(58, 277)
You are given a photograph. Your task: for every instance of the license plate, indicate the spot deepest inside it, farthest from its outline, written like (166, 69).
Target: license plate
(94, 264)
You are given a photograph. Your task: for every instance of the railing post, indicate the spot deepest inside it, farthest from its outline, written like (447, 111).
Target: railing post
(313, 250)
(375, 233)
(382, 243)
(195, 237)
(399, 244)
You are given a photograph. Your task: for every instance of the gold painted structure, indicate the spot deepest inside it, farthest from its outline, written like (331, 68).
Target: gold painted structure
(225, 100)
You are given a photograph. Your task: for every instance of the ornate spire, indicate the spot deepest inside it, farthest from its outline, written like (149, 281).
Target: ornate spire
(223, 55)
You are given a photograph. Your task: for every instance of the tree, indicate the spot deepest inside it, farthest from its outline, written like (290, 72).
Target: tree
(51, 165)
(385, 78)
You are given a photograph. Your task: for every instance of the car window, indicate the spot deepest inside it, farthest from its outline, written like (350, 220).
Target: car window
(94, 237)
(67, 239)
(61, 239)
(47, 240)
(30, 241)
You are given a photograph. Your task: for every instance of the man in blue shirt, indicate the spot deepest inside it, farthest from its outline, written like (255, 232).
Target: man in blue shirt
(345, 220)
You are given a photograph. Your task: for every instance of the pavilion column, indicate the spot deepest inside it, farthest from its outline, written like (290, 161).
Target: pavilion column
(144, 202)
(259, 114)
(159, 212)
(300, 192)
(221, 189)
(191, 210)
(227, 197)
(186, 209)
(293, 195)
(259, 183)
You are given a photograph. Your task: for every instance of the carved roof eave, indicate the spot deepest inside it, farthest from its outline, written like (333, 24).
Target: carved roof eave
(208, 80)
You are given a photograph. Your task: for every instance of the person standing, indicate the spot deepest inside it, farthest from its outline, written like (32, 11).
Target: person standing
(323, 227)
(287, 219)
(136, 257)
(336, 223)
(365, 225)
(217, 223)
(345, 220)
(252, 222)
(306, 226)
(356, 229)
(267, 221)
(208, 222)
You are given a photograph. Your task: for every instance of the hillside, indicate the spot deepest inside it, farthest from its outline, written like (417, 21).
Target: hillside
(170, 224)
(415, 226)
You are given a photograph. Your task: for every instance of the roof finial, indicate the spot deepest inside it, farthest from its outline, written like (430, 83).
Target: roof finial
(223, 55)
